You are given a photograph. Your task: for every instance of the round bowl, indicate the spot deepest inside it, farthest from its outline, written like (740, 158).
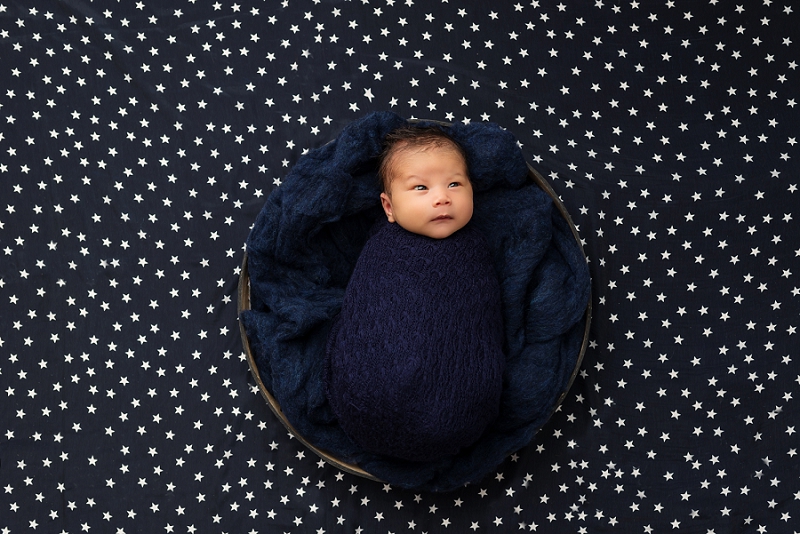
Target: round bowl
(244, 304)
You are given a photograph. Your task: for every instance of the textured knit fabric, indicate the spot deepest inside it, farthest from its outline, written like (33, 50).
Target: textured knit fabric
(416, 355)
(304, 246)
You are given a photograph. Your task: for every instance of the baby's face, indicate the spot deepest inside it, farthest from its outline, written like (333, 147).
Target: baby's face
(430, 192)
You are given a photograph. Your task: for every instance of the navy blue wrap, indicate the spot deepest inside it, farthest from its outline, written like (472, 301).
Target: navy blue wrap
(415, 358)
(304, 246)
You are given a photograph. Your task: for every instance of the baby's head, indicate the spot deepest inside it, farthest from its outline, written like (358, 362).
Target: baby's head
(426, 186)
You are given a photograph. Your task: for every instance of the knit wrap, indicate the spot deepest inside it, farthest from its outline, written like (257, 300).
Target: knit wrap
(415, 359)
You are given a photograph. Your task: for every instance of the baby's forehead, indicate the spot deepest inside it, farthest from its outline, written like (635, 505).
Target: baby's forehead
(402, 151)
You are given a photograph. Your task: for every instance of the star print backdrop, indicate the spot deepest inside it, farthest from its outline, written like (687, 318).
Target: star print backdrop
(138, 140)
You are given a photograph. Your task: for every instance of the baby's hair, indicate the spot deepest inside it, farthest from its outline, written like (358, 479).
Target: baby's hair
(412, 137)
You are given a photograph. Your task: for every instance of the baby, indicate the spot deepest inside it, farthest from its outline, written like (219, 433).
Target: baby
(415, 358)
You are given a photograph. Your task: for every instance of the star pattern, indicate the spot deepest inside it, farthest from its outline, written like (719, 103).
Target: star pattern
(139, 140)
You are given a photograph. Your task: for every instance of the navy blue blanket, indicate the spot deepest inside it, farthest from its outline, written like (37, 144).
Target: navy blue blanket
(303, 248)
(415, 358)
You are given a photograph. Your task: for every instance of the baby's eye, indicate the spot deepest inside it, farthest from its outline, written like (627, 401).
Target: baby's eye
(420, 188)
(454, 184)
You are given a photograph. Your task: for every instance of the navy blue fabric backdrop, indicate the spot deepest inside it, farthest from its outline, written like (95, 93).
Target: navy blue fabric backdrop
(138, 141)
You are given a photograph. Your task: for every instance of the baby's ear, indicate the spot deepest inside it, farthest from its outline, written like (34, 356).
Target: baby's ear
(386, 202)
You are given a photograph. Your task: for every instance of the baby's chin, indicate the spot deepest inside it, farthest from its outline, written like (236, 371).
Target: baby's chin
(440, 230)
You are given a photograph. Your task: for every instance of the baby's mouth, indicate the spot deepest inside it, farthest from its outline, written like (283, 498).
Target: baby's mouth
(442, 217)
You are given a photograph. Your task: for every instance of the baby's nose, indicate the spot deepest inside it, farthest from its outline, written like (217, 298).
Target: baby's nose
(442, 199)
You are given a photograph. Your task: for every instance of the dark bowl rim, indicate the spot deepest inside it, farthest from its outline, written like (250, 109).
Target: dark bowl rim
(244, 304)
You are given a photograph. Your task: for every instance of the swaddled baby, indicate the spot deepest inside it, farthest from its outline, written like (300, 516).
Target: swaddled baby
(415, 359)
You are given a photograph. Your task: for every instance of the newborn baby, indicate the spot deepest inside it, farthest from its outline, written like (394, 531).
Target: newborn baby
(415, 359)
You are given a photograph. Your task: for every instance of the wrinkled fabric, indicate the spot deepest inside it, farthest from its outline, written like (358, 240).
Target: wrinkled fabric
(304, 246)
